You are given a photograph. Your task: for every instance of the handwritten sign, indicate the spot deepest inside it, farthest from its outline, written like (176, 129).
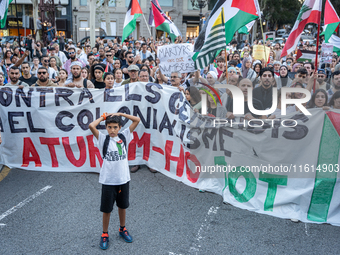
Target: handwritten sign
(176, 58)
(258, 52)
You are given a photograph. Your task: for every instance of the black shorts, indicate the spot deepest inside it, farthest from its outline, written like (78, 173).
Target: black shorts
(112, 193)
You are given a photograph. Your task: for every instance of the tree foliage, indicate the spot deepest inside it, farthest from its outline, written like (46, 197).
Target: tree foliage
(280, 12)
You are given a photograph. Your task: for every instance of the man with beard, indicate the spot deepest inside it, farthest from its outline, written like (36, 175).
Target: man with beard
(14, 75)
(130, 60)
(101, 54)
(67, 65)
(43, 80)
(322, 77)
(26, 74)
(335, 84)
(77, 80)
(264, 93)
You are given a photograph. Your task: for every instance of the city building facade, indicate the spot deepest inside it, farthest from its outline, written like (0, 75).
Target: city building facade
(181, 12)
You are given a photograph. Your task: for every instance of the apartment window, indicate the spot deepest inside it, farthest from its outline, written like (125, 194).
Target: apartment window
(127, 2)
(166, 3)
(83, 23)
(83, 2)
(112, 25)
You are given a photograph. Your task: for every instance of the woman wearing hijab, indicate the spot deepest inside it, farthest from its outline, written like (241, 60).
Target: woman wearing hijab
(296, 67)
(210, 79)
(283, 80)
(247, 71)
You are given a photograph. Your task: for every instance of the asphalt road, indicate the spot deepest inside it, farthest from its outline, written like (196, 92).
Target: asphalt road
(58, 213)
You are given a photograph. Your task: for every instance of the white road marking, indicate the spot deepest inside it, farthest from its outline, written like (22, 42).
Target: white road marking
(204, 227)
(195, 248)
(26, 201)
(306, 229)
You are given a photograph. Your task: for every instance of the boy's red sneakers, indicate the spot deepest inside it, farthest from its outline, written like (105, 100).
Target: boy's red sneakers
(125, 234)
(104, 241)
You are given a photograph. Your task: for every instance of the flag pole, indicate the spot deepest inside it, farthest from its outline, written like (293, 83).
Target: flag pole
(147, 25)
(317, 48)
(264, 45)
(226, 57)
(16, 13)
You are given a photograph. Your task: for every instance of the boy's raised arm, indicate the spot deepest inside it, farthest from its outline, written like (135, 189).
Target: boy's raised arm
(93, 125)
(135, 120)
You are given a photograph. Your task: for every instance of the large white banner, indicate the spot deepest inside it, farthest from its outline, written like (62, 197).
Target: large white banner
(176, 58)
(285, 171)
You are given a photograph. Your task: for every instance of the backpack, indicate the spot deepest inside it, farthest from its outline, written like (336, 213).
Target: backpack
(107, 140)
(85, 85)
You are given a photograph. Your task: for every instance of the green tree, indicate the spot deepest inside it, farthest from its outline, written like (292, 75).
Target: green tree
(280, 12)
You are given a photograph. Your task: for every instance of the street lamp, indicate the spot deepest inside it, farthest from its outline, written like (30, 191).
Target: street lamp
(59, 6)
(199, 4)
(75, 10)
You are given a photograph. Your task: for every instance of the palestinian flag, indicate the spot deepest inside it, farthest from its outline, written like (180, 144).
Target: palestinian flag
(310, 13)
(335, 41)
(237, 13)
(245, 29)
(163, 23)
(332, 21)
(326, 178)
(151, 20)
(305, 55)
(214, 43)
(3, 12)
(269, 36)
(134, 11)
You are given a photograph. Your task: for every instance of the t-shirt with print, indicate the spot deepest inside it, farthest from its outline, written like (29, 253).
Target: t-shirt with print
(115, 169)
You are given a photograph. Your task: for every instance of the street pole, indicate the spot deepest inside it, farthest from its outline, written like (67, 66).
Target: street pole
(16, 13)
(75, 10)
(92, 23)
(75, 26)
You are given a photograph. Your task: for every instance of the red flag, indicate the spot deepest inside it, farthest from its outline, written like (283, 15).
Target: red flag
(309, 13)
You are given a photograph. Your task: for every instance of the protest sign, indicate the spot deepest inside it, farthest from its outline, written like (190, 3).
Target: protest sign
(283, 171)
(176, 58)
(326, 54)
(258, 52)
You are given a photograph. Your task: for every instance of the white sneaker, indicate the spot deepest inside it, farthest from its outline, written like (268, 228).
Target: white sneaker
(294, 220)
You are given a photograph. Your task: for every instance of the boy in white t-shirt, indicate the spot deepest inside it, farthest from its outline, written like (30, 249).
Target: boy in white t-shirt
(114, 173)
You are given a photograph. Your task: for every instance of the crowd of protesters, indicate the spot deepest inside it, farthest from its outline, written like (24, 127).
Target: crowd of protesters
(111, 63)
